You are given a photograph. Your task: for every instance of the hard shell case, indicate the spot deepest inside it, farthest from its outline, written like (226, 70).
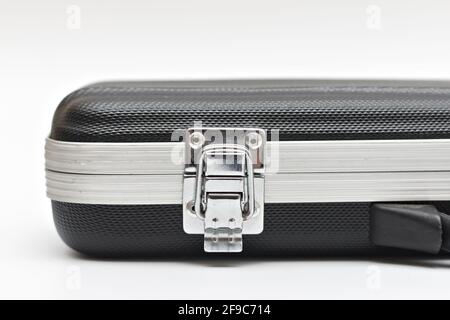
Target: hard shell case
(344, 151)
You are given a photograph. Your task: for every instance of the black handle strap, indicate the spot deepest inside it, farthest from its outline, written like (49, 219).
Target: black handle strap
(419, 227)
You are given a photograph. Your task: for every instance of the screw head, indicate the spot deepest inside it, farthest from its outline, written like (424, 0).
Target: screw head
(196, 140)
(254, 140)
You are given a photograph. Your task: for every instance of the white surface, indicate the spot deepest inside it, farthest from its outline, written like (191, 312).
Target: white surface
(43, 56)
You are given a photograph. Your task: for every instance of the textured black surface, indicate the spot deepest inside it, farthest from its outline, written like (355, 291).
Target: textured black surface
(301, 110)
(295, 229)
(157, 230)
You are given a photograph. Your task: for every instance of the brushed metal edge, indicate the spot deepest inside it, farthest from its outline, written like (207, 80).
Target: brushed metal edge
(279, 188)
(281, 157)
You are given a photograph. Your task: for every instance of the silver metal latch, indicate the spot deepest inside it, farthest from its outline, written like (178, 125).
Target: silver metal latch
(223, 186)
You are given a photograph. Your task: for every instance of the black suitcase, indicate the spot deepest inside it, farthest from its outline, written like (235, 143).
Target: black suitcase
(253, 168)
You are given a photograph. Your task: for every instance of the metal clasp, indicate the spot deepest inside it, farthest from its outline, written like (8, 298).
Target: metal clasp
(223, 186)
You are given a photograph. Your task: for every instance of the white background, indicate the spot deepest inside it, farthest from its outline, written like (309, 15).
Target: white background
(49, 48)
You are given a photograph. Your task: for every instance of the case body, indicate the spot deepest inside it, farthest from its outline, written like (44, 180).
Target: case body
(300, 110)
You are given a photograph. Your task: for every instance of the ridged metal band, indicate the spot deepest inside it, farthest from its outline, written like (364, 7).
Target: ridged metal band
(300, 187)
(301, 171)
(282, 157)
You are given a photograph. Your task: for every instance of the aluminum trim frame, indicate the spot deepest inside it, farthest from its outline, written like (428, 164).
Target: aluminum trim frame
(281, 157)
(280, 188)
(296, 171)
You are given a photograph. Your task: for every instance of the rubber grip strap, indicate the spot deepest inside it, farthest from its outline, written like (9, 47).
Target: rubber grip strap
(419, 227)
